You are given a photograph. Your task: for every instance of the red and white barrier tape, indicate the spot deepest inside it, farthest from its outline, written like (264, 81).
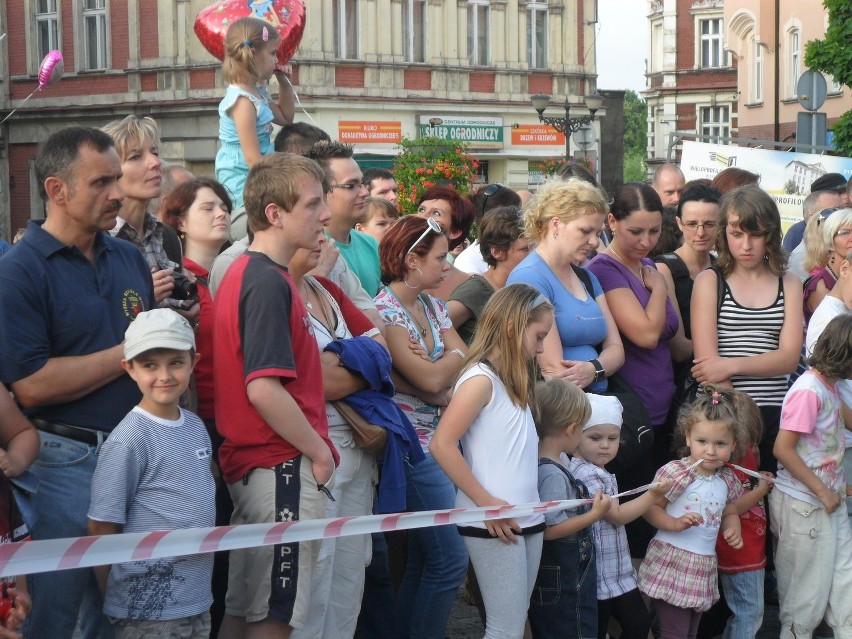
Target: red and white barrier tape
(30, 557)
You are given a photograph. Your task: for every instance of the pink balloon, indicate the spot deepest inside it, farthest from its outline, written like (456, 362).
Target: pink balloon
(51, 69)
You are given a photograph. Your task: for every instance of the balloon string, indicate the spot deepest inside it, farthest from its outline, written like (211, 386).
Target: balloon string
(298, 101)
(38, 88)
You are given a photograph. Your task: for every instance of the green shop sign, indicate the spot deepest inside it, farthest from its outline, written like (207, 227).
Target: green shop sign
(477, 132)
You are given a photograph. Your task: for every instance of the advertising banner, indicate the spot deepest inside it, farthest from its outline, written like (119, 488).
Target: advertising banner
(785, 175)
(369, 132)
(478, 132)
(537, 135)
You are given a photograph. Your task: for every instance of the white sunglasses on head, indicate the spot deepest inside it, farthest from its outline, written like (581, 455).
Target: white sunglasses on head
(432, 226)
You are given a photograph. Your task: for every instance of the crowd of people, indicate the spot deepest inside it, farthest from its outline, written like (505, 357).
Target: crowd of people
(185, 351)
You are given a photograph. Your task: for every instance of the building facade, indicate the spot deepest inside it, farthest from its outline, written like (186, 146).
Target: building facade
(691, 77)
(768, 39)
(367, 71)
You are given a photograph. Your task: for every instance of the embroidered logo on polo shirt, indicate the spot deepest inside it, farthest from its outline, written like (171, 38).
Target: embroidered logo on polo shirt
(132, 304)
(204, 453)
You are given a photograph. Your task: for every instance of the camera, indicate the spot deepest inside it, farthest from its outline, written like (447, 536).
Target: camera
(184, 289)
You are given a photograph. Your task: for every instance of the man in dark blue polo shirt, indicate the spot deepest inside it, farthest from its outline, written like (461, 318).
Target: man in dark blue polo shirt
(67, 293)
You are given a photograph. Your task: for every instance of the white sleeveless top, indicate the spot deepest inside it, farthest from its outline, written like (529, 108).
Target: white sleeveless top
(501, 448)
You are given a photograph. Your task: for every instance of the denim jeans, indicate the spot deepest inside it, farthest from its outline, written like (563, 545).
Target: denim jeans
(64, 469)
(437, 558)
(744, 596)
(565, 598)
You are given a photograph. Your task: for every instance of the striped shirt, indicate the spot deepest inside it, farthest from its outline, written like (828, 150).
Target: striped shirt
(154, 474)
(744, 332)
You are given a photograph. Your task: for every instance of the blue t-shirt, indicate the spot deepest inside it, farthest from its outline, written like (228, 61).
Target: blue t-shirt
(362, 256)
(55, 303)
(581, 323)
(155, 474)
(231, 167)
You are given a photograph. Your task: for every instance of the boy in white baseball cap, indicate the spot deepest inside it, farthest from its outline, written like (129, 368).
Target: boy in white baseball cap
(154, 473)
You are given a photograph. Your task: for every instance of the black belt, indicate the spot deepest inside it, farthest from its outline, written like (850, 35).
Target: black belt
(82, 435)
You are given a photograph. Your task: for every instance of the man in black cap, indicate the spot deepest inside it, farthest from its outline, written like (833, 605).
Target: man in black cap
(832, 182)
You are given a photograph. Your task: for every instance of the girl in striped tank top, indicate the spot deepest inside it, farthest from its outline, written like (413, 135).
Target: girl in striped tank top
(752, 339)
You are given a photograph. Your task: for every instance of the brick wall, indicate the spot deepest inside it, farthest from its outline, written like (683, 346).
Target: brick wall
(15, 23)
(685, 117)
(417, 79)
(481, 82)
(148, 82)
(685, 35)
(149, 20)
(202, 79)
(19, 176)
(349, 76)
(540, 83)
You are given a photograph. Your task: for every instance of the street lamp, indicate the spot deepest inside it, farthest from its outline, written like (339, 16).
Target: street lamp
(567, 125)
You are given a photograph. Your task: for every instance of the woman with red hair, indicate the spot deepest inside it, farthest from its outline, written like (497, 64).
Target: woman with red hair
(455, 213)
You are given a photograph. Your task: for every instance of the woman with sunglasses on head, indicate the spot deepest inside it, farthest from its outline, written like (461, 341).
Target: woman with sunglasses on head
(455, 214)
(427, 355)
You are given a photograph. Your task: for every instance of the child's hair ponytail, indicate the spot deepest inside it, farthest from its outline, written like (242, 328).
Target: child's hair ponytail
(715, 404)
(243, 38)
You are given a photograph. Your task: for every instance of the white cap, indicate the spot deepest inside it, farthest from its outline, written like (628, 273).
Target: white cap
(605, 410)
(158, 328)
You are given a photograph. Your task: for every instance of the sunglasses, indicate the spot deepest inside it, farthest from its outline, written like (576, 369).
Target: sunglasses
(432, 226)
(488, 191)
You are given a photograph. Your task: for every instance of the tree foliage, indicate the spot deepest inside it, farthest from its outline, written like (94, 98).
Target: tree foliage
(635, 137)
(833, 55)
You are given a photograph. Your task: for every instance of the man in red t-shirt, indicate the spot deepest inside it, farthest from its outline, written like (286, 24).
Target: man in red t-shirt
(270, 408)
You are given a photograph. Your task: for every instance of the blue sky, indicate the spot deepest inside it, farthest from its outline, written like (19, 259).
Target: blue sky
(622, 43)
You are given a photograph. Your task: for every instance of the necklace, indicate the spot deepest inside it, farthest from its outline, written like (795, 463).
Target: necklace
(420, 328)
(641, 278)
(831, 270)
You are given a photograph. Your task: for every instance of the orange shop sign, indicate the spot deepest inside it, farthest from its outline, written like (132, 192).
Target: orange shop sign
(369, 132)
(537, 135)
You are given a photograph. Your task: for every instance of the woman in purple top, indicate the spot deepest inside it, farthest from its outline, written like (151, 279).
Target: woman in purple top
(642, 302)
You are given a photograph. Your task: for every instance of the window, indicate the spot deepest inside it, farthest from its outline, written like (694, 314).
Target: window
(478, 32)
(47, 27)
(414, 30)
(95, 43)
(756, 69)
(346, 29)
(537, 34)
(711, 43)
(795, 56)
(715, 122)
(657, 47)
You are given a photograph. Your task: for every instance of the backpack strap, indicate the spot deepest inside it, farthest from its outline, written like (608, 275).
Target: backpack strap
(585, 278)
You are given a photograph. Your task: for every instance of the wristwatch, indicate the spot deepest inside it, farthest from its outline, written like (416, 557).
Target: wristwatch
(600, 373)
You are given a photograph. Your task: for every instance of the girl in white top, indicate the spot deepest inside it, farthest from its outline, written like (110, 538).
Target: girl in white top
(490, 415)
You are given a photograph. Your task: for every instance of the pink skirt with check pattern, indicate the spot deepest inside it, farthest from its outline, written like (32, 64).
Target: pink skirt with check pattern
(678, 577)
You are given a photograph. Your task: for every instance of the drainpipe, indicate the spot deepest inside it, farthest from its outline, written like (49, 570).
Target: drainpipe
(777, 101)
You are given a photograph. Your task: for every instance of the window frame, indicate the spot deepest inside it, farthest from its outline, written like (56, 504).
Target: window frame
(536, 9)
(411, 33)
(474, 30)
(83, 14)
(794, 60)
(715, 41)
(722, 126)
(756, 67)
(341, 42)
(55, 16)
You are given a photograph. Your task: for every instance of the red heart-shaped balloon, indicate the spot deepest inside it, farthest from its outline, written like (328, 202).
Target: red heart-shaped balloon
(287, 17)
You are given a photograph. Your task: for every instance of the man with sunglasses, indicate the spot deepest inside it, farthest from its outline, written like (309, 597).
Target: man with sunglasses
(485, 199)
(346, 203)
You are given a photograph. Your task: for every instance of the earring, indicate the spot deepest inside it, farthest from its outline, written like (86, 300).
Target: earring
(182, 237)
(555, 235)
(405, 281)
